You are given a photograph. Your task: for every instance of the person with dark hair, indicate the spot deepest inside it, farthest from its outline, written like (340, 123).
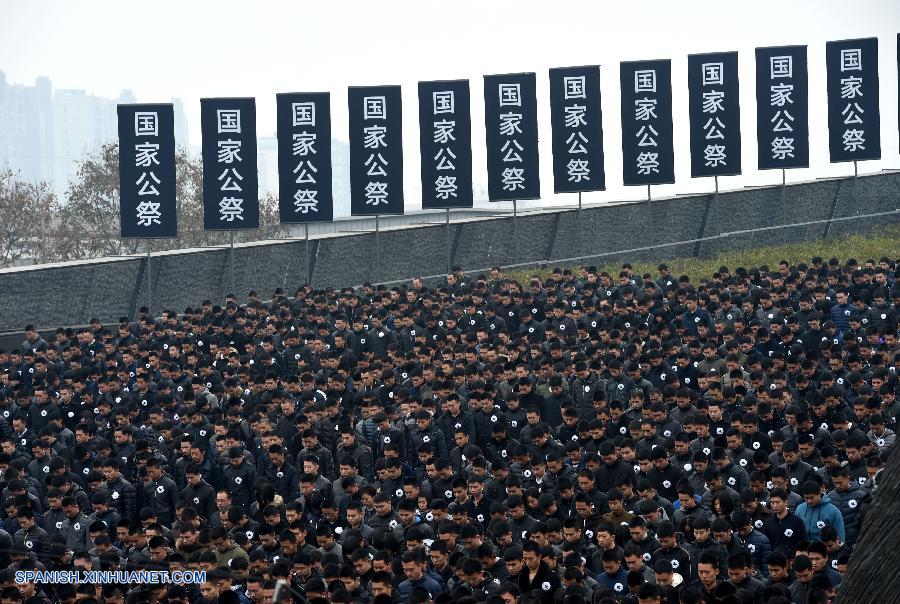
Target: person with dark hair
(816, 512)
(739, 575)
(708, 568)
(783, 528)
(850, 500)
(614, 577)
(239, 475)
(536, 575)
(800, 588)
(704, 544)
(120, 493)
(414, 569)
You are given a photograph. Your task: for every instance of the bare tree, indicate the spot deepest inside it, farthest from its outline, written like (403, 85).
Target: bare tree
(26, 211)
(89, 223)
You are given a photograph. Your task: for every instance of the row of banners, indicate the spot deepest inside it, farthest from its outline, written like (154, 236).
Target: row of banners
(147, 143)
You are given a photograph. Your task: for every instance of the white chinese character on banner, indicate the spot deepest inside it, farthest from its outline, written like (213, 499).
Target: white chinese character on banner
(443, 131)
(782, 120)
(852, 114)
(851, 59)
(306, 201)
(443, 101)
(713, 128)
(305, 172)
(509, 124)
(854, 140)
(376, 165)
(228, 121)
(304, 114)
(146, 155)
(645, 136)
(647, 163)
(574, 87)
(645, 80)
(513, 179)
(445, 187)
(574, 116)
(780, 95)
(376, 193)
(782, 147)
(713, 101)
(229, 151)
(374, 108)
(781, 66)
(713, 74)
(146, 123)
(304, 143)
(444, 158)
(147, 180)
(511, 149)
(851, 87)
(231, 180)
(231, 208)
(576, 142)
(374, 137)
(644, 109)
(578, 170)
(148, 213)
(713, 155)
(510, 95)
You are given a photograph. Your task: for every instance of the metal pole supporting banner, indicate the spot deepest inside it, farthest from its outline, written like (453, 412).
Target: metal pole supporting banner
(716, 206)
(649, 215)
(308, 271)
(515, 229)
(856, 186)
(377, 248)
(149, 285)
(231, 262)
(580, 232)
(449, 248)
(783, 185)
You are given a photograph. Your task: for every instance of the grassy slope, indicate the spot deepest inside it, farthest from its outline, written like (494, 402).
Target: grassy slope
(885, 242)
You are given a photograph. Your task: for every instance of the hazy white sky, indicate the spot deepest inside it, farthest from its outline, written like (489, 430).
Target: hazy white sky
(203, 48)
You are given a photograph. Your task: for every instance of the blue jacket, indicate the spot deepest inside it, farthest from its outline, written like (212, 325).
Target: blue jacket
(850, 504)
(618, 582)
(426, 581)
(759, 547)
(840, 314)
(815, 518)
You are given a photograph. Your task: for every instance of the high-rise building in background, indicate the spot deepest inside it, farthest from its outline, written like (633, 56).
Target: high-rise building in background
(26, 128)
(45, 133)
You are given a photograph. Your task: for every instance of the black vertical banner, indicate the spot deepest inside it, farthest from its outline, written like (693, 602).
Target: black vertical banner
(782, 107)
(854, 122)
(230, 181)
(577, 125)
(445, 141)
(715, 114)
(511, 134)
(376, 150)
(304, 157)
(147, 208)
(648, 156)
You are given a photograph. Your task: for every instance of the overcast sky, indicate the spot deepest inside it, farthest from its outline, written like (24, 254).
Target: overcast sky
(195, 49)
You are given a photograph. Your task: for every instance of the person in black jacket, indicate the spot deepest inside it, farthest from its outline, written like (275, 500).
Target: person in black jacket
(783, 528)
(120, 493)
(536, 576)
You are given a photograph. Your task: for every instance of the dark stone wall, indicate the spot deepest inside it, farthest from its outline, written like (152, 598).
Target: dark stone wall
(640, 231)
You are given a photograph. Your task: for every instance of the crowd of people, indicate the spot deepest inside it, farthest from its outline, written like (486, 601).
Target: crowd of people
(590, 437)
